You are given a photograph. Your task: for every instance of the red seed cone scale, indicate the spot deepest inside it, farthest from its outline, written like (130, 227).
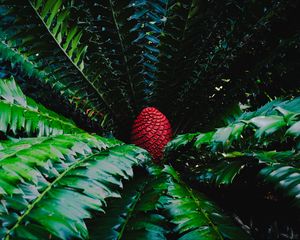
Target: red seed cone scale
(151, 130)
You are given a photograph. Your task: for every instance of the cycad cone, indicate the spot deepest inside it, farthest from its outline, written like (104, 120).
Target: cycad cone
(152, 131)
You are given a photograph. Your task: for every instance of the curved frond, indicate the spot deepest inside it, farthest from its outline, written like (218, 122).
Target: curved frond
(285, 179)
(224, 169)
(195, 216)
(136, 215)
(251, 143)
(22, 114)
(71, 177)
(55, 17)
(126, 35)
(110, 47)
(215, 54)
(252, 130)
(159, 205)
(32, 79)
(178, 37)
(42, 32)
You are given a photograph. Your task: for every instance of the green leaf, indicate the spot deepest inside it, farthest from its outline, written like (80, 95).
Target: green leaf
(20, 113)
(203, 138)
(294, 130)
(286, 179)
(267, 124)
(227, 171)
(39, 40)
(135, 215)
(180, 141)
(195, 216)
(59, 189)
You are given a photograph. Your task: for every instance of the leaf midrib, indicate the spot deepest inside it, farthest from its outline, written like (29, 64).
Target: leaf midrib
(72, 62)
(30, 145)
(123, 52)
(131, 210)
(200, 209)
(48, 189)
(51, 118)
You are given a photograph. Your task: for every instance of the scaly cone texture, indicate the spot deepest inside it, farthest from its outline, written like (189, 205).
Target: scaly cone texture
(151, 130)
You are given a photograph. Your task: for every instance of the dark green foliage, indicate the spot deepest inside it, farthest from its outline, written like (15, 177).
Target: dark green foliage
(100, 62)
(250, 131)
(252, 140)
(123, 45)
(151, 20)
(137, 215)
(22, 114)
(178, 38)
(194, 215)
(237, 51)
(32, 80)
(113, 58)
(285, 178)
(159, 205)
(40, 32)
(267, 139)
(58, 188)
(109, 52)
(259, 150)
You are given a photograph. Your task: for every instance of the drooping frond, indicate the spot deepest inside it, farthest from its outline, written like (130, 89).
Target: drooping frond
(22, 114)
(137, 215)
(195, 216)
(124, 37)
(225, 168)
(151, 18)
(159, 205)
(59, 187)
(250, 142)
(285, 179)
(43, 32)
(252, 130)
(32, 80)
(215, 54)
(175, 60)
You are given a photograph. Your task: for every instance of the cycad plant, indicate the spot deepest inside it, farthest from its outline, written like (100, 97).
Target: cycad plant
(207, 66)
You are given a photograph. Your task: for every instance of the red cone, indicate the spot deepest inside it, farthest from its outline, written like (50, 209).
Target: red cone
(152, 131)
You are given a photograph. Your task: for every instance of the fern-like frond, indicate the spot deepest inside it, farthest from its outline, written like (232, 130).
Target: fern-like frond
(151, 18)
(108, 31)
(261, 141)
(59, 181)
(110, 56)
(159, 205)
(32, 79)
(22, 114)
(137, 214)
(224, 169)
(126, 36)
(254, 130)
(41, 31)
(194, 216)
(285, 179)
(178, 37)
(225, 57)
(55, 17)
